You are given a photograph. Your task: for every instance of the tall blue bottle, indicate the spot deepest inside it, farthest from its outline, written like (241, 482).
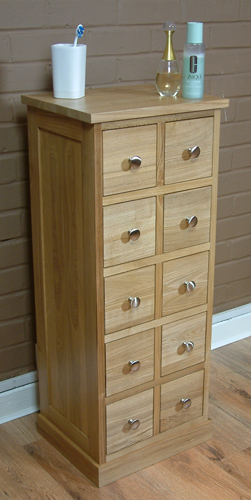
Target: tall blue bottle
(193, 62)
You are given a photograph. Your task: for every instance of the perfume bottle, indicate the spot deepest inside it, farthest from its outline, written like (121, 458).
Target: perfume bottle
(168, 79)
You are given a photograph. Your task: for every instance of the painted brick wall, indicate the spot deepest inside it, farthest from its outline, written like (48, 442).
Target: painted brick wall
(125, 43)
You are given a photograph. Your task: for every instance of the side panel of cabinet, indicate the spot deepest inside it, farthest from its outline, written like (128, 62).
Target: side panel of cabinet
(62, 215)
(62, 226)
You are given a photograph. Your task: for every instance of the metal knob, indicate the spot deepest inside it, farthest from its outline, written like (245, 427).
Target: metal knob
(192, 221)
(134, 365)
(134, 302)
(134, 424)
(188, 346)
(193, 152)
(134, 162)
(186, 403)
(134, 234)
(190, 286)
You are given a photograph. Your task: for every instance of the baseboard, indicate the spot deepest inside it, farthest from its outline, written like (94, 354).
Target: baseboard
(106, 473)
(231, 326)
(19, 395)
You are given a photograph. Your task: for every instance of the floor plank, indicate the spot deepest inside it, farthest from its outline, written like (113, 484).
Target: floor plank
(229, 435)
(235, 357)
(19, 471)
(200, 478)
(23, 430)
(239, 467)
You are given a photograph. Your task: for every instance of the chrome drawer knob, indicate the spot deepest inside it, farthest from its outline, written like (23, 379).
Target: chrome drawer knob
(134, 424)
(193, 152)
(134, 234)
(190, 286)
(186, 403)
(134, 365)
(134, 162)
(188, 346)
(192, 221)
(134, 302)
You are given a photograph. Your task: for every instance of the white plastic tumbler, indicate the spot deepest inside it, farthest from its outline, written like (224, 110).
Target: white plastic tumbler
(68, 70)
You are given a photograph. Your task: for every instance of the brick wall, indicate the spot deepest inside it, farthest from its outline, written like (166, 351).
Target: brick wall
(125, 43)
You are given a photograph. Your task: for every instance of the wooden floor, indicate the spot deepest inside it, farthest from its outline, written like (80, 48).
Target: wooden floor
(217, 470)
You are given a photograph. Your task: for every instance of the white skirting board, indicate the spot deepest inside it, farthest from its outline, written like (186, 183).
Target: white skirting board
(19, 395)
(230, 326)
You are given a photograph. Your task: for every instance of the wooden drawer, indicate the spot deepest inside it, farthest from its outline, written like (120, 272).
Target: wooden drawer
(120, 145)
(138, 284)
(120, 434)
(179, 137)
(119, 245)
(172, 411)
(129, 362)
(176, 297)
(183, 343)
(179, 232)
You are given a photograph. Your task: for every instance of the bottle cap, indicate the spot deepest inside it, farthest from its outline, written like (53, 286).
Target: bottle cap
(194, 32)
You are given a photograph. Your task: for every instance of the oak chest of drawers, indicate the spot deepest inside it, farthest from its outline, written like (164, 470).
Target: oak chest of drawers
(123, 193)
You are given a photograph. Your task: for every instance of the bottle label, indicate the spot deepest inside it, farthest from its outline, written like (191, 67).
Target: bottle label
(193, 64)
(193, 76)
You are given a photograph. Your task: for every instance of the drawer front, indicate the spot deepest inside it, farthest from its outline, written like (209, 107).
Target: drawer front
(120, 432)
(129, 231)
(183, 344)
(129, 298)
(180, 136)
(129, 362)
(178, 278)
(174, 412)
(186, 218)
(119, 175)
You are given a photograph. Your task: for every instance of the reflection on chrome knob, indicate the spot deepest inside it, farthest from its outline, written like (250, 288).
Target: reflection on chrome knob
(190, 286)
(186, 403)
(134, 365)
(194, 152)
(134, 302)
(188, 346)
(134, 424)
(134, 234)
(192, 221)
(135, 162)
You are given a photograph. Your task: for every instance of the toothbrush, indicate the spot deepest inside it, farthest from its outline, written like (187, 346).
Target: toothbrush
(79, 33)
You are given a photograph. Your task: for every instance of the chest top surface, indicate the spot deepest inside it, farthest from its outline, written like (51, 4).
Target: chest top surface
(121, 103)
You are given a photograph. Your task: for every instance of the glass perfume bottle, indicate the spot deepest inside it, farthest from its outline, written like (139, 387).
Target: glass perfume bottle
(168, 78)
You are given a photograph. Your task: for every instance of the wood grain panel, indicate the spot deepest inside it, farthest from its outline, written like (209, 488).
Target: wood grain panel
(179, 136)
(179, 206)
(172, 413)
(122, 103)
(157, 191)
(94, 292)
(119, 433)
(123, 217)
(119, 376)
(118, 146)
(216, 141)
(175, 274)
(38, 257)
(62, 216)
(118, 289)
(174, 355)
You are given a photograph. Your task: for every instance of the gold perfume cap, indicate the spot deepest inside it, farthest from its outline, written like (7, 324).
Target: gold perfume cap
(169, 28)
